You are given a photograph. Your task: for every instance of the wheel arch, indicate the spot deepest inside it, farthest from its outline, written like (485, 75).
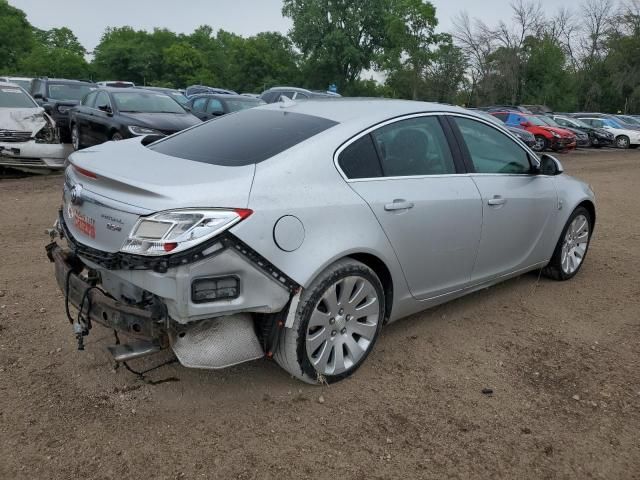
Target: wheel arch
(591, 208)
(383, 273)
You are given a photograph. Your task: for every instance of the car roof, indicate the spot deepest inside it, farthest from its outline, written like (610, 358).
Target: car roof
(366, 110)
(127, 89)
(63, 80)
(9, 84)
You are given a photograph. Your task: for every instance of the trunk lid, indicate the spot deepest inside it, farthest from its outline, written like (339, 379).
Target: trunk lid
(108, 188)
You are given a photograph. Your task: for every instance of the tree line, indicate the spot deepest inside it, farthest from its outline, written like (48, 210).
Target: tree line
(583, 57)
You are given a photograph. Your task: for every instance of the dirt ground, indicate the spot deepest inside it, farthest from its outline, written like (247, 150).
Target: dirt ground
(562, 360)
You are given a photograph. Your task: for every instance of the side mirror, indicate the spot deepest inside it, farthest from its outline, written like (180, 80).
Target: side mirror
(550, 165)
(104, 108)
(217, 113)
(187, 108)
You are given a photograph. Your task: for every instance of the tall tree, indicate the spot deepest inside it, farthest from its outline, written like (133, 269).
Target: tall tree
(16, 36)
(410, 39)
(339, 39)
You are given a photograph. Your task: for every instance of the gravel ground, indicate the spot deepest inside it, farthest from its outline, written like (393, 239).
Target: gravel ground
(561, 358)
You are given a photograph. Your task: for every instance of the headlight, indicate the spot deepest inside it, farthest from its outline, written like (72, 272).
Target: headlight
(555, 134)
(63, 109)
(177, 230)
(135, 130)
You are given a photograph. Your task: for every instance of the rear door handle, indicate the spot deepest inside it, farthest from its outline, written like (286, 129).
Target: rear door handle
(398, 204)
(497, 200)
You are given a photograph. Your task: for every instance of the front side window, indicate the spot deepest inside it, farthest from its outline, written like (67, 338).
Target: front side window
(490, 150)
(215, 106)
(102, 100)
(89, 100)
(417, 146)
(199, 104)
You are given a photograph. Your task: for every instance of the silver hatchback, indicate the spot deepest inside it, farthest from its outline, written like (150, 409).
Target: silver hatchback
(298, 230)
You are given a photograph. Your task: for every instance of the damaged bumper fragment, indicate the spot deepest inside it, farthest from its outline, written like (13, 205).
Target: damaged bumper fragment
(151, 298)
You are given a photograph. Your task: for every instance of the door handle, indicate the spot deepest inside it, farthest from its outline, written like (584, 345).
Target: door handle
(497, 200)
(398, 204)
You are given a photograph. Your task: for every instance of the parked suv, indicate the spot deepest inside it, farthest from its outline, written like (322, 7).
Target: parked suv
(118, 113)
(57, 97)
(276, 93)
(547, 137)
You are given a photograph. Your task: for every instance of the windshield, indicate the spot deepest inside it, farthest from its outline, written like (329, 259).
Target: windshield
(26, 84)
(141, 102)
(237, 105)
(14, 97)
(629, 120)
(549, 121)
(573, 122)
(535, 121)
(67, 91)
(242, 138)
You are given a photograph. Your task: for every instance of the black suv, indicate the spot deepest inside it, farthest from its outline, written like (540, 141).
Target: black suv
(57, 96)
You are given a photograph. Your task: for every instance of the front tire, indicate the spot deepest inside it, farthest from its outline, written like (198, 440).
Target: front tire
(541, 144)
(623, 142)
(572, 247)
(336, 324)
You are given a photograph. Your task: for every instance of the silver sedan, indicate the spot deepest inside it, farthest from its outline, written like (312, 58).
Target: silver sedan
(298, 230)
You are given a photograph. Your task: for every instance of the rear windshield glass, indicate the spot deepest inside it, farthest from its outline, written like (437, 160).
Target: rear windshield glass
(14, 97)
(243, 138)
(66, 91)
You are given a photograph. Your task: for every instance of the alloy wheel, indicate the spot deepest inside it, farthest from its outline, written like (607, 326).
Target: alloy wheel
(575, 244)
(622, 142)
(343, 325)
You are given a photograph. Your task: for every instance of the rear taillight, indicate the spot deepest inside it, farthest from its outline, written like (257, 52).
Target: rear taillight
(84, 172)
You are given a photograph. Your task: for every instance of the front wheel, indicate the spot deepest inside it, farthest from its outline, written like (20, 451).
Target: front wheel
(541, 144)
(572, 247)
(622, 142)
(336, 324)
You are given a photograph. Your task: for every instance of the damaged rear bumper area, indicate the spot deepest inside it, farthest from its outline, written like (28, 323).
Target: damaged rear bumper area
(226, 337)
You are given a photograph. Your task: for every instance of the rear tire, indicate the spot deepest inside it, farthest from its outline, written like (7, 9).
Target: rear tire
(572, 247)
(336, 325)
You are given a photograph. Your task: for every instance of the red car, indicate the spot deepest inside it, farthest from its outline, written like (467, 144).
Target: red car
(547, 137)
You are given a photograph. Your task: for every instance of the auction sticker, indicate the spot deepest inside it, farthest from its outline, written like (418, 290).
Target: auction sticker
(84, 224)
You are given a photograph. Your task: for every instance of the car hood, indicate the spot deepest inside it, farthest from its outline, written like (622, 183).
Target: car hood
(521, 133)
(23, 119)
(560, 131)
(165, 122)
(130, 173)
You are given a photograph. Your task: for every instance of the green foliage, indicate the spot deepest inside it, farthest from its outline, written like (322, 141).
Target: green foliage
(16, 37)
(338, 38)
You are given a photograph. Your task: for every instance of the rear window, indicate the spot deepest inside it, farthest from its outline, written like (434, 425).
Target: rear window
(243, 138)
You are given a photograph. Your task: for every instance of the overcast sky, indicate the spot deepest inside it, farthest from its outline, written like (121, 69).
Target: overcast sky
(88, 19)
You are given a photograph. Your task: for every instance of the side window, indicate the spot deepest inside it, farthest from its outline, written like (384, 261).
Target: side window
(562, 122)
(491, 151)
(89, 100)
(360, 160)
(501, 116)
(597, 123)
(301, 95)
(102, 99)
(199, 104)
(285, 94)
(417, 146)
(215, 106)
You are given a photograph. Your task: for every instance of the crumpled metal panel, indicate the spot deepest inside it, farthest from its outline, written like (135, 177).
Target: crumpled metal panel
(217, 343)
